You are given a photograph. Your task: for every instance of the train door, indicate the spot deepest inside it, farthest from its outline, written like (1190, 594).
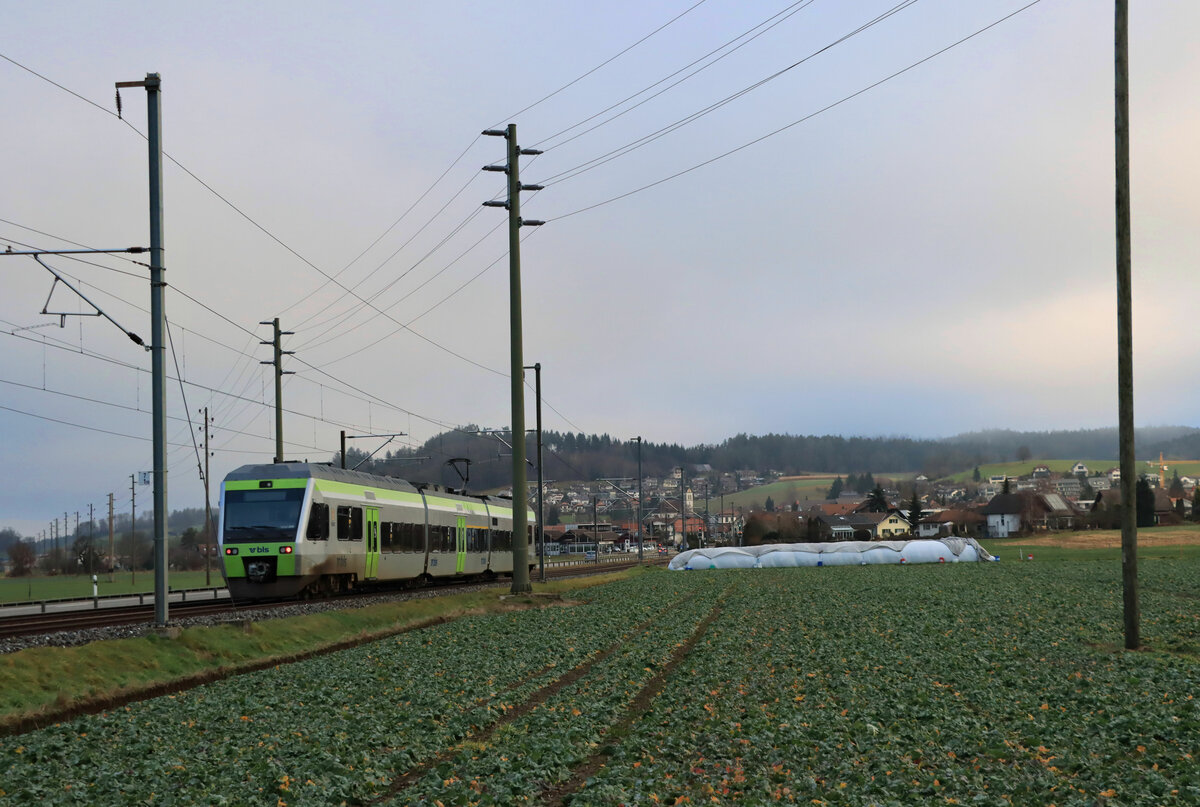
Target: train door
(460, 545)
(371, 521)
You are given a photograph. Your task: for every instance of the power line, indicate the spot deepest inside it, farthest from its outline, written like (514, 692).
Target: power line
(103, 431)
(789, 12)
(621, 151)
(799, 121)
(576, 80)
(355, 309)
(420, 229)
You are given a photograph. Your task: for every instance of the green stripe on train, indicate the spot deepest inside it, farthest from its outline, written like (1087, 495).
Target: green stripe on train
(254, 484)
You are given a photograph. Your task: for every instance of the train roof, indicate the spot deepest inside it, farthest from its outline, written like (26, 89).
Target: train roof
(320, 470)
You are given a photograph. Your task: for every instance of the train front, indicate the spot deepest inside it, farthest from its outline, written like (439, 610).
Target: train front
(259, 530)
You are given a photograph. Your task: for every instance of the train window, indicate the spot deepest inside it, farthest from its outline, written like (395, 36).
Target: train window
(318, 522)
(349, 523)
(476, 539)
(386, 537)
(501, 540)
(415, 535)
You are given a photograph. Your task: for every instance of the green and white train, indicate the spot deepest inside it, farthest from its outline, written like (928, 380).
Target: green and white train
(302, 529)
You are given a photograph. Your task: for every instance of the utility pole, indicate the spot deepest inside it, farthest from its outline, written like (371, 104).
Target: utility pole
(111, 538)
(641, 535)
(91, 541)
(343, 449)
(207, 508)
(595, 529)
(1129, 582)
(707, 516)
(279, 374)
(520, 579)
(683, 503)
(158, 348)
(541, 515)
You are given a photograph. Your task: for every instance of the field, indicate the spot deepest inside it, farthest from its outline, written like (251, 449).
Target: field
(995, 683)
(1184, 467)
(806, 490)
(19, 589)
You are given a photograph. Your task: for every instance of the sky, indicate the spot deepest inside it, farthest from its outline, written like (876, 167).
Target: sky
(875, 235)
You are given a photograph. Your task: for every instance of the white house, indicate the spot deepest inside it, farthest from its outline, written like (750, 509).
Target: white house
(1003, 514)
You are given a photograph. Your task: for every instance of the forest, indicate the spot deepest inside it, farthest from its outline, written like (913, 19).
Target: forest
(579, 457)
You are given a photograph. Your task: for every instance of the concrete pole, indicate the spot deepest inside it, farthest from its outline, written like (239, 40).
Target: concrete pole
(541, 514)
(207, 510)
(641, 535)
(111, 538)
(132, 531)
(520, 578)
(158, 345)
(1125, 335)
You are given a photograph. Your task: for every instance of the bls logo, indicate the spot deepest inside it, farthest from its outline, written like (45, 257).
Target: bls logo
(259, 550)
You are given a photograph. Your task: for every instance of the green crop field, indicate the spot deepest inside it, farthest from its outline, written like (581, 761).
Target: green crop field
(992, 683)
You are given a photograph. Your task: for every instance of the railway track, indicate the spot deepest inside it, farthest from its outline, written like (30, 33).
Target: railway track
(85, 619)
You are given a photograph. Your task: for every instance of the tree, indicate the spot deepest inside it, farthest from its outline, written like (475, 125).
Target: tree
(1145, 503)
(975, 477)
(770, 505)
(553, 516)
(1196, 503)
(1007, 489)
(877, 501)
(22, 558)
(1087, 492)
(8, 537)
(1023, 453)
(1175, 491)
(914, 510)
(835, 489)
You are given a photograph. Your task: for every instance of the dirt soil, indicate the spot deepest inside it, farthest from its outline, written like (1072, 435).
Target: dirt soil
(1109, 539)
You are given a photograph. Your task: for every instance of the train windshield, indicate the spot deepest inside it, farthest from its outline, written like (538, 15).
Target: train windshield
(262, 515)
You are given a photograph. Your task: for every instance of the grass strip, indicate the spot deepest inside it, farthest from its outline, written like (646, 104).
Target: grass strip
(45, 685)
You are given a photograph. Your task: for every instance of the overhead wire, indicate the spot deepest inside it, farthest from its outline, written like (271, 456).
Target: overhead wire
(644, 140)
(794, 123)
(250, 219)
(787, 13)
(581, 77)
(102, 431)
(294, 252)
(395, 223)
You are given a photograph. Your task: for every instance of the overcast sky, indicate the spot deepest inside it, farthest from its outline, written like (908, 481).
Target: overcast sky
(934, 255)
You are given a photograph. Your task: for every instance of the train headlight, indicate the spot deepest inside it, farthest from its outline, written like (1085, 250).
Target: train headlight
(231, 550)
(285, 550)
